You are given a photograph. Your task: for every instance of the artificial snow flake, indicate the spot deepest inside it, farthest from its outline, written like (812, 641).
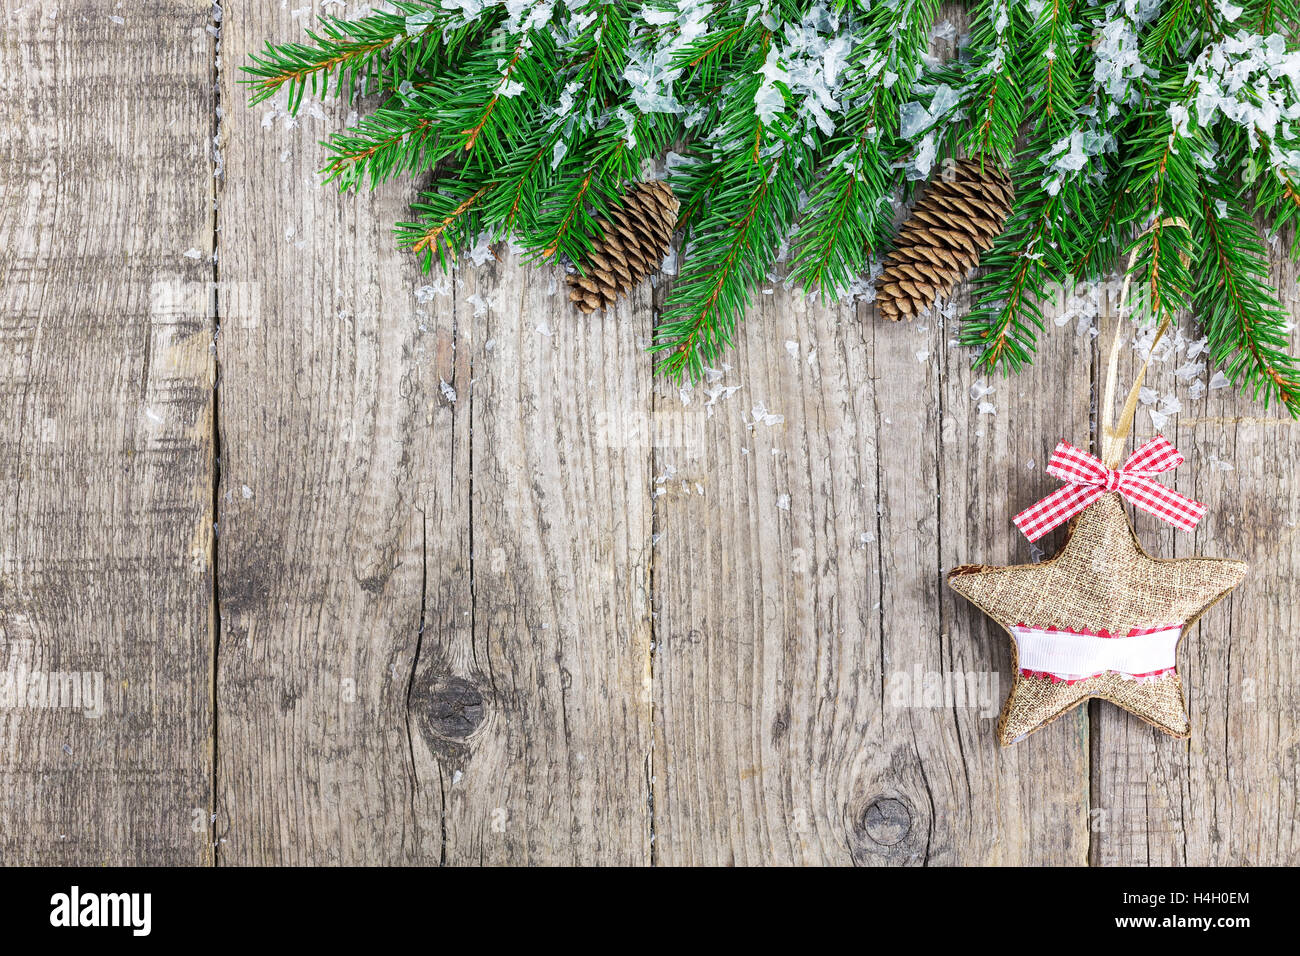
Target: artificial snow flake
(1169, 405)
(1073, 154)
(1230, 11)
(769, 100)
(439, 286)
(1180, 118)
(1117, 48)
(669, 266)
(481, 251)
(1254, 82)
(762, 416)
(913, 118)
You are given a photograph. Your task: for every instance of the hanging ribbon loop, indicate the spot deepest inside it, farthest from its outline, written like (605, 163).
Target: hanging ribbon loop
(1087, 479)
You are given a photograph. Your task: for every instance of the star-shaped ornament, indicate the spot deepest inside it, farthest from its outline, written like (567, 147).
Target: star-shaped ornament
(1101, 619)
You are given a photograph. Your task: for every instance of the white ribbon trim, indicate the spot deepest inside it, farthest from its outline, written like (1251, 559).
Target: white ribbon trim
(1072, 656)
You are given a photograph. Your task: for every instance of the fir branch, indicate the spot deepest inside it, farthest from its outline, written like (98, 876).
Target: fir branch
(522, 178)
(601, 47)
(534, 118)
(589, 184)
(354, 53)
(694, 186)
(709, 57)
(499, 90)
(391, 142)
(848, 209)
(1099, 248)
(1245, 325)
(1269, 16)
(1163, 215)
(1277, 198)
(737, 238)
(450, 224)
(1046, 232)
(1052, 64)
(531, 182)
(735, 245)
(1006, 313)
(1171, 31)
(1048, 225)
(573, 211)
(995, 96)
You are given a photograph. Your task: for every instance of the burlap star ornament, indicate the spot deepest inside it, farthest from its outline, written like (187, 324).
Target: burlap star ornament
(1101, 619)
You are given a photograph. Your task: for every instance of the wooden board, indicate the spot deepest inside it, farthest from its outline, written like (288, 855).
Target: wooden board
(485, 591)
(1224, 796)
(106, 377)
(551, 766)
(434, 554)
(802, 622)
(336, 459)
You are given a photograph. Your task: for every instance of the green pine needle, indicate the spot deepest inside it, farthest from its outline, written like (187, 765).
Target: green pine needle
(800, 124)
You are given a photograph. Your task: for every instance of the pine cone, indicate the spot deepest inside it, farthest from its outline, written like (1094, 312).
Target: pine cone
(631, 249)
(942, 240)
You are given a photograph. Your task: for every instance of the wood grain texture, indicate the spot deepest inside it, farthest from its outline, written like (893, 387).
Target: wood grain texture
(1226, 795)
(764, 594)
(105, 436)
(336, 450)
(483, 590)
(556, 640)
(434, 508)
(802, 623)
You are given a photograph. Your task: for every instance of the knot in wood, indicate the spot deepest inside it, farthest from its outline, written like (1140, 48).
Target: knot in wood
(451, 707)
(886, 821)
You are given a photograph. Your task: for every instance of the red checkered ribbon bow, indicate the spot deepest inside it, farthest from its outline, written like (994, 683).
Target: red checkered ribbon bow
(1087, 479)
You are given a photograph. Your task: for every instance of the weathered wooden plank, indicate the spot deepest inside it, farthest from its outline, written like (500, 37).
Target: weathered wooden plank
(550, 763)
(105, 436)
(956, 463)
(788, 727)
(802, 616)
(436, 478)
(766, 672)
(337, 482)
(446, 517)
(991, 467)
(1226, 796)
(791, 676)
